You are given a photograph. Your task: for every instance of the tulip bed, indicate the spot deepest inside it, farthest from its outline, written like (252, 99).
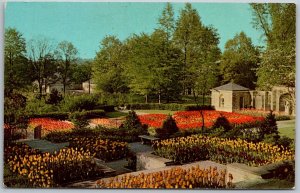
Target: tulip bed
(103, 149)
(50, 125)
(46, 170)
(222, 150)
(177, 177)
(105, 122)
(192, 119)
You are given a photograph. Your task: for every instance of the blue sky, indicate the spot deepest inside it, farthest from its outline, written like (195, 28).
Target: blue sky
(86, 24)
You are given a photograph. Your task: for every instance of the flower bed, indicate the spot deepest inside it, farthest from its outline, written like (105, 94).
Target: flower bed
(103, 149)
(197, 147)
(105, 122)
(51, 170)
(193, 119)
(173, 178)
(49, 125)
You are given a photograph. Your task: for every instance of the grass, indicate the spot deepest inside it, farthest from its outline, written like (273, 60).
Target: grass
(273, 184)
(287, 128)
(115, 114)
(167, 112)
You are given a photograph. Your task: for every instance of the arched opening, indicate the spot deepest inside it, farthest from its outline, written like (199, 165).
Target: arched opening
(285, 104)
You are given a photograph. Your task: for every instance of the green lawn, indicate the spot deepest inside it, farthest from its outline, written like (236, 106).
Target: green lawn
(287, 128)
(115, 114)
(156, 111)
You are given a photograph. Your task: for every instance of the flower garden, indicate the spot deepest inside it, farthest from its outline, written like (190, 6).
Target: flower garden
(222, 150)
(109, 141)
(193, 119)
(172, 178)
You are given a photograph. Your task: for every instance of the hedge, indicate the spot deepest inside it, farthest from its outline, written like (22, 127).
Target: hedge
(65, 115)
(170, 106)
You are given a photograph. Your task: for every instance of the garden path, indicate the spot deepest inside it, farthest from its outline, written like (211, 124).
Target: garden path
(44, 145)
(118, 166)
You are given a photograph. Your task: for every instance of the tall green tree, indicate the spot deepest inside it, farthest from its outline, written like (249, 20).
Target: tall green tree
(207, 64)
(17, 70)
(186, 37)
(277, 22)
(108, 67)
(239, 61)
(67, 56)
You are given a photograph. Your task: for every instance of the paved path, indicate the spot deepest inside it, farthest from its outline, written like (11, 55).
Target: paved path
(44, 145)
(117, 165)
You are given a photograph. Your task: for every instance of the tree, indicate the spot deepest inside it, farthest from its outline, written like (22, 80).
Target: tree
(277, 21)
(83, 72)
(186, 34)
(40, 53)
(239, 61)
(207, 67)
(17, 72)
(67, 55)
(108, 67)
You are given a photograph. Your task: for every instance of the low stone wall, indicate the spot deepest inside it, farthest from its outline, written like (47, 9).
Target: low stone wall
(147, 163)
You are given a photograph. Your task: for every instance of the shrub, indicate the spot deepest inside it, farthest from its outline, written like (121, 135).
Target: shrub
(54, 98)
(79, 103)
(54, 115)
(79, 119)
(222, 122)
(269, 126)
(133, 125)
(286, 142)
(169, 127)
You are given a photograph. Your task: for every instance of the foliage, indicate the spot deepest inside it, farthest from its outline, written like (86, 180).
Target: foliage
(54, 98)
(79, 119)
(178, 177)
(41, 57)
(269, 126)
(168, 128)
(278, 62)
(222, 122)
(108, 67)
(17, 70)
(66, 54)
(133, 125)
(79, 103)
(103, 149)
(239, 61)
(45, 170)
(222, 150)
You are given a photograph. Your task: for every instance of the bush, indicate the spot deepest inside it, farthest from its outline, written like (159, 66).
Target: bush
(169, 127)
(222, 122)
(54, 98)
(269, 126)
(54, 115)
(79, 103)
(79, 119)
(286, 142)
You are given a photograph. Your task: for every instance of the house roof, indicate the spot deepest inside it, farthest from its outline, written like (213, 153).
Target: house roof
(232, 87)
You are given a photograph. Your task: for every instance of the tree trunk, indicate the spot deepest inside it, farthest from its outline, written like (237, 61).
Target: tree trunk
(146, 98)
(89, 86)
(159, 97)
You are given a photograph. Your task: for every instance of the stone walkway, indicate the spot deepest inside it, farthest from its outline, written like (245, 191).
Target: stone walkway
(118, 166)
(44, 145)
